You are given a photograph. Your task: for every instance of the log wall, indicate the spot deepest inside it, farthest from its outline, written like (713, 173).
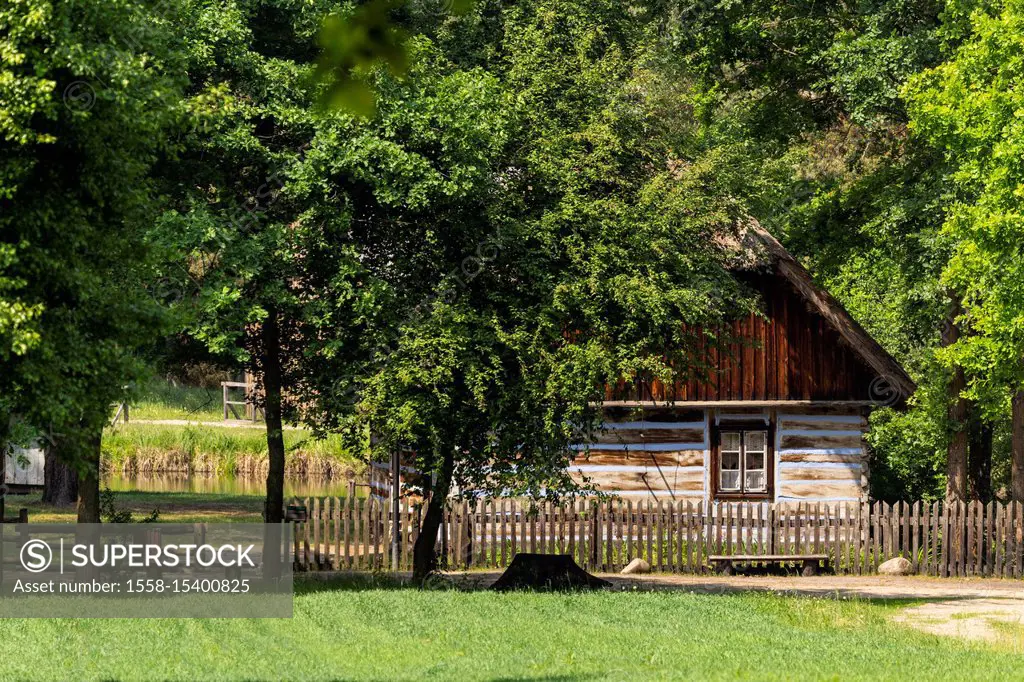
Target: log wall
(665, 454)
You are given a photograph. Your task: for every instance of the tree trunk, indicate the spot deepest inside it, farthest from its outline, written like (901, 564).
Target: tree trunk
(89, 480)
(273, 511)
(957, 413)
(5, 446)
(1017, 460)
(60, 478)
(980, 460)
(424, 553)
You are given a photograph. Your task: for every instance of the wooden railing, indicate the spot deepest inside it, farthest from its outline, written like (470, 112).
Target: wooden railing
(249, 410)
(938, 539)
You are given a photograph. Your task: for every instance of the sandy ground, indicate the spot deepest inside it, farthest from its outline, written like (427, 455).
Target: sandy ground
(991, 620)
(864, 587)
(976, 609)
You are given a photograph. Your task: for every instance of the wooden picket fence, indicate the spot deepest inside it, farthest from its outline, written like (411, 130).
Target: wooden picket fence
(939, 539)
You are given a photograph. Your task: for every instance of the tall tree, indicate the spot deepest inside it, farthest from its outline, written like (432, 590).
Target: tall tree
(574, 251)
(979, 468)
(969, 106)
(1017, 461)
(410, 189)
(958, 414)
(235, 249)
(84, 101)
(805, 101)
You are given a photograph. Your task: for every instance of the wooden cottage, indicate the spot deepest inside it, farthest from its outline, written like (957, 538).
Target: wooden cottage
(781, 417)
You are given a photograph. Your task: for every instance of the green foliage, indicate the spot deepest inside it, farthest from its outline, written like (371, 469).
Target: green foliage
(809, 98)
(506, 206)
(361, 38)
(355, 43)
(970, 107)
(111, 513)
(567, 248)
(87, 90)
(237, 248)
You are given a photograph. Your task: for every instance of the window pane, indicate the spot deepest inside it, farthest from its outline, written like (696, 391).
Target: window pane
(755, 460)
(755, 481)
(756, 440)
(730, 480)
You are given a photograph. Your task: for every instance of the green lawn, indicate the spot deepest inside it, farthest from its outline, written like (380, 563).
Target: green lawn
(174, 507)
(159, 399)
(343, 632)
(224, 501)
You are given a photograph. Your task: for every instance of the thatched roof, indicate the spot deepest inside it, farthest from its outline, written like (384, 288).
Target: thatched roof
(754, 248)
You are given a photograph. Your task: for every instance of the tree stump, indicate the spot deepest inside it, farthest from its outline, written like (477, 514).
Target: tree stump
(546, 572)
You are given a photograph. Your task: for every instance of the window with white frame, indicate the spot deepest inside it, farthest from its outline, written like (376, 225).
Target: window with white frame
(743, 461)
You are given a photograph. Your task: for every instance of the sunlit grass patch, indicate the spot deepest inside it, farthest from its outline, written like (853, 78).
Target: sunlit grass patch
(1009, 634)
(369, 628)
(160, 399)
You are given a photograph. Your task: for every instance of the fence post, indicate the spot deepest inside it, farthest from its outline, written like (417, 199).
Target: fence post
(949, 539)
(1018, 537)
(396, 524)
(467, 536)
(609, 520)
(315, 518)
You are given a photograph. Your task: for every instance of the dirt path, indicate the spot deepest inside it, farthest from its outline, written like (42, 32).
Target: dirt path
(864, 587)
(989, 619)
(230, 423)
(976, 609)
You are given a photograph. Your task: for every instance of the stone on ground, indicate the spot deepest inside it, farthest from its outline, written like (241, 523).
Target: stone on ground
(897, 566)
(637, 565)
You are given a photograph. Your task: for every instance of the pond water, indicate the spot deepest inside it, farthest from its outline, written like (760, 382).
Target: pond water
(230, 485)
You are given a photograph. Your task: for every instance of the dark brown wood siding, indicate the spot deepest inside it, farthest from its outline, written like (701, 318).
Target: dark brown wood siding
(790, 353)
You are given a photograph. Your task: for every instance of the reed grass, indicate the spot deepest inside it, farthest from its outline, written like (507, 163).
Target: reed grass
(155, 448)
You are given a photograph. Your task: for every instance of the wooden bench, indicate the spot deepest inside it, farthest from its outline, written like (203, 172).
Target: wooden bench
(812, 563)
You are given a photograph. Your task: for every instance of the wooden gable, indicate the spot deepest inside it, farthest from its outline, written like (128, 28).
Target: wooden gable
(791, 353)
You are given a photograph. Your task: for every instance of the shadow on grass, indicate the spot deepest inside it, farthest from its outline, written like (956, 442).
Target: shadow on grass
(174, 507)
(547, 678)
(344, 581)
(525, 678)
(580, 677)
(312, 583)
